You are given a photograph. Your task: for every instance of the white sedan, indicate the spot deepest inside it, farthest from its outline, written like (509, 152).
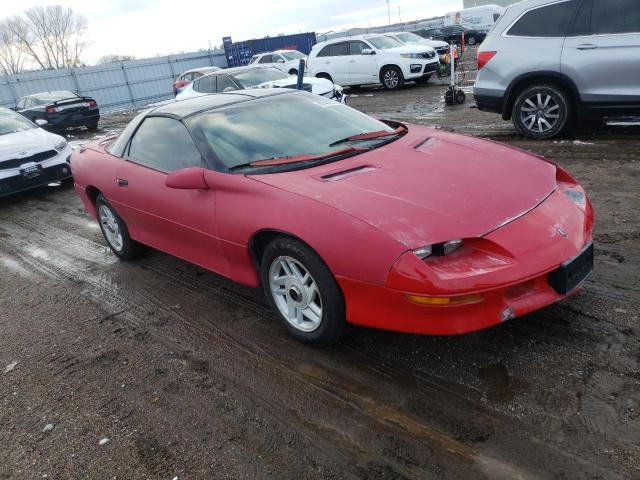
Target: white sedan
(241, 78)
(30, 157)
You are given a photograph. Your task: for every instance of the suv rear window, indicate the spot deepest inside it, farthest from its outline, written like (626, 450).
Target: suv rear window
(335, 50)
(615, 16)
(549, 21)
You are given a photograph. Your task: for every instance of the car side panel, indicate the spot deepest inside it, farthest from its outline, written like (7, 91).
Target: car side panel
(347, 245)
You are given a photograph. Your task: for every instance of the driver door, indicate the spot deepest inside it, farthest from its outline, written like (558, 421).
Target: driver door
(178, 222)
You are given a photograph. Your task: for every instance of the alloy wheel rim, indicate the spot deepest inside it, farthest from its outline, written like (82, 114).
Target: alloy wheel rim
(295, 293)
(391, 78)
(540, 113)
(111, 228)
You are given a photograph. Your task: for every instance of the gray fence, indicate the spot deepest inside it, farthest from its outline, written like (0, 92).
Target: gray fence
(115, 86)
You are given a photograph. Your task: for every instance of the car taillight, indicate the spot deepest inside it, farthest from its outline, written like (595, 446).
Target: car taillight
(51, 110)
(92, 103)
(484, 57)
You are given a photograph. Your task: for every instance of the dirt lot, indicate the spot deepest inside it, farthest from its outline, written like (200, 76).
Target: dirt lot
(190, 376)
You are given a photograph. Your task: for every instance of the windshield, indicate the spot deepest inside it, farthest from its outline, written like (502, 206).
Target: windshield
(409, 37)
(293, 55)
(13, 122)
(256, 76)
(281, 126)
(384, 42)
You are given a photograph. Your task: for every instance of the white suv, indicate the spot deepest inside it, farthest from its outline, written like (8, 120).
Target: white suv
(371, 59)
(286, 61)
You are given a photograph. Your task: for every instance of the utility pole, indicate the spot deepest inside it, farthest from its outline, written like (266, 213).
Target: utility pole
(399, 16)
(389, 12)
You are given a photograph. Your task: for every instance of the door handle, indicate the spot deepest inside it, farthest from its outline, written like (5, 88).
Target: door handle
(587, 46)
(122, 182)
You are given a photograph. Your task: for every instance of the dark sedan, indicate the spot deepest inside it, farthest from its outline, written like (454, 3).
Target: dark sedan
(59, 110)
(453, 34)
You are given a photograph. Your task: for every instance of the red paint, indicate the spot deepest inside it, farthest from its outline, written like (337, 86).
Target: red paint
(427, 187)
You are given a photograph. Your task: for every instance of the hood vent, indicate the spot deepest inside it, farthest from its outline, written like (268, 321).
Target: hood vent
(341, 175)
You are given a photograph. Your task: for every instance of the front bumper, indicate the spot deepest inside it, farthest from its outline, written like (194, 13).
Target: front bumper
(530, 263)
(416, 69)
(54, 170)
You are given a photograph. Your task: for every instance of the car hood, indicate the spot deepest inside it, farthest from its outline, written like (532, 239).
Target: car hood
(319, 86)
(26, 143)
(429, 186)
(408, 48)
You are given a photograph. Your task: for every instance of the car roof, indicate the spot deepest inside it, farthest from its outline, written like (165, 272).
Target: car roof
(192, 106)
(202, 69)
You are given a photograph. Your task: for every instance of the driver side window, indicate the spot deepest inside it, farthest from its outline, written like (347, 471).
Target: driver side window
(356, 47)
(267, 59)
(163, 144)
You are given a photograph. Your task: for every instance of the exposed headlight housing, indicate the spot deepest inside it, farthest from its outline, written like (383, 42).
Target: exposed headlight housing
(61, 146)
(439, 249)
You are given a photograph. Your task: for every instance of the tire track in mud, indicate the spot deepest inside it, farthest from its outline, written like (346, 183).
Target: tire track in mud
(72, 257)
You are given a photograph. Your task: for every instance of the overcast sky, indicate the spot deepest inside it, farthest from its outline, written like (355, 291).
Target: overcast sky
(149, 27)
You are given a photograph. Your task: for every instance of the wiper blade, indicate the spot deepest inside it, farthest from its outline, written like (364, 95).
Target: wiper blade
(303, 158)
(370, 136)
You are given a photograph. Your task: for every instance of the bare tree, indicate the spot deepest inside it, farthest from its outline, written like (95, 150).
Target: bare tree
(114, 58)
(12, 58)
(51, 37)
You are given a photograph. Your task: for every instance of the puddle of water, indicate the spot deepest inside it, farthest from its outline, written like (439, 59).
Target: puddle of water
(502, 387)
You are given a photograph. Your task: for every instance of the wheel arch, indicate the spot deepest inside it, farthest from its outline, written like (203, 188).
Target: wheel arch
(389, 65)
(544, 77)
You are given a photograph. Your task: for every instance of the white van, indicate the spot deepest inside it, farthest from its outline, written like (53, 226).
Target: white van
(476, 18)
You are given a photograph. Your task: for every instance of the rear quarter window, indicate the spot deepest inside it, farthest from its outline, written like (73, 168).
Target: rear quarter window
(548, 21)
(615, 16)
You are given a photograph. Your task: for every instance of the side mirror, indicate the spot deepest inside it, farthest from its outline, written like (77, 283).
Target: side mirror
(191, 178)
(280, 60)
(41, 122)
(368, 51)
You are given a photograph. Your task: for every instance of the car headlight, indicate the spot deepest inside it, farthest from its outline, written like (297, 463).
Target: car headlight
(439, 249)
(61, 146)
(411, 55)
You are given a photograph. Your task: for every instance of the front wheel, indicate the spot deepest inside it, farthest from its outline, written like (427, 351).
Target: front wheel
(541, 111)
(115, 231)
(303, 292)
(391, 78)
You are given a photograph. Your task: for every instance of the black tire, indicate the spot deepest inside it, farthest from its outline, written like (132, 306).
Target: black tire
(460, 97)
(130, 248)
(391, 78)
(333, 324)
(472, 41)
(93, 127)
(528, 110)
(325, 75)
(293, 71)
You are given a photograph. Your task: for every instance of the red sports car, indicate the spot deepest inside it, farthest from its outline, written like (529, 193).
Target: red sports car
(340, 217)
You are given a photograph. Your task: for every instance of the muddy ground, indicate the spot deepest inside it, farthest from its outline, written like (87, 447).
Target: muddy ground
(188, 375)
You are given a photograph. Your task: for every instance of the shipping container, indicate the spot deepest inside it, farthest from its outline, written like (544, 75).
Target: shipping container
(240, 53)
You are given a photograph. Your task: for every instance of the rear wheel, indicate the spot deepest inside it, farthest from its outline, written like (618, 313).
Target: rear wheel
(472, 40)
(391, 78)
(293, 71)
(541, 111)
(115, 232)
(303, 292)
(93, 127)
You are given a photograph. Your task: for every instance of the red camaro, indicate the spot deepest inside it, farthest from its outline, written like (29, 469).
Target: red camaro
(340, 217)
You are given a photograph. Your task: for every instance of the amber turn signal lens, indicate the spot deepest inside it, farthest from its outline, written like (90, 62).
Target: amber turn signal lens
(459, 300)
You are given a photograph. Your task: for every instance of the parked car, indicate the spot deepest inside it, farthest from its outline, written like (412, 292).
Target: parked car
(59, 110)
(258, 76)
(546, 63)
(189, 76)
(441, 48)
(341, 218)
(286, 60)
(453, 34)
(372, 59)
(29, 156)
(481, 18)
(431, 33)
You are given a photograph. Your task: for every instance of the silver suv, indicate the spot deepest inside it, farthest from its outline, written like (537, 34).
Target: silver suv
(547, 62)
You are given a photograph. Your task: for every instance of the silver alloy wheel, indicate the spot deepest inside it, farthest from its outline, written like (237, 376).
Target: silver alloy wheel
(391, 78)
(540, 113)
(111, 228)
(295, 293)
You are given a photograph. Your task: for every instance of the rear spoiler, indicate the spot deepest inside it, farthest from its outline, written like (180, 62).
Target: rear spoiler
(72, 100)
